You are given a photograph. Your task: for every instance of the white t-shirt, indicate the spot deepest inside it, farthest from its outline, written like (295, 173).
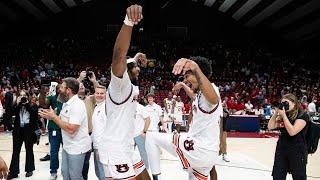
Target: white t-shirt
(155, 111)
(99, 119)
(204, 127)
(312, 107)
(119, 132)
(248, 106)
(139, 121)
(74, 112)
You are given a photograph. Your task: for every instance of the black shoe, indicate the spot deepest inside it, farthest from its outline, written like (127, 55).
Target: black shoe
(12, 176)
(46, 158)
(29, 174)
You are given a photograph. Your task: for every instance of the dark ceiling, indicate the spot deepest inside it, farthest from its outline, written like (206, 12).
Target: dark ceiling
(293, 20)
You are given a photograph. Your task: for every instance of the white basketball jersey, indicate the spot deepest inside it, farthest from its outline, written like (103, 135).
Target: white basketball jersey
(178, 109)
(119, 130)
(204, 128)
(169, 104)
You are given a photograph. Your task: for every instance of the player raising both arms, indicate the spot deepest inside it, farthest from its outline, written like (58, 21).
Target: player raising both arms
(198, 148)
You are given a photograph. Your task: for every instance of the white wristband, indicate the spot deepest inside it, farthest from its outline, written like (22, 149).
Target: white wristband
(127, 21)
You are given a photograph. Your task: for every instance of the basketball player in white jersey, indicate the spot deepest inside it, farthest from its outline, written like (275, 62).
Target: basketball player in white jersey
(198, 148)
(168, 111)
(116, 152)
(178, 113)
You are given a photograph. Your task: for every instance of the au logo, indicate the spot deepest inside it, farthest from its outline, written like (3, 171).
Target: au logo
(122, 168)
(188, 145)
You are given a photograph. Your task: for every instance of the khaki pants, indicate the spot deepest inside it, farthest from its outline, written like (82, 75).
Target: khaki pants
(223, 139)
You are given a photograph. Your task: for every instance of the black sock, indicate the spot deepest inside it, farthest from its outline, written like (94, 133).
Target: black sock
(155, 177)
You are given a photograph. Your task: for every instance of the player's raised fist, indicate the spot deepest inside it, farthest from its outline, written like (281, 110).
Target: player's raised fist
(134, 13)
(141, 59)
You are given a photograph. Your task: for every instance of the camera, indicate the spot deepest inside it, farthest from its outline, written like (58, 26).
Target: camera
(180, 79)
(281, 105)
(89, 74)
(24, 100)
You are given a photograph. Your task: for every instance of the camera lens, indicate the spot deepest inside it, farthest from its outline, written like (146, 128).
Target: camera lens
(285, 104)
(23, 100)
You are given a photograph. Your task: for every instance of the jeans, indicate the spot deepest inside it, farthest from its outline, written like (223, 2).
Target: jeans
(85, 168)
(140, 141)
(72, 165)
(55, 142)
(98, 166)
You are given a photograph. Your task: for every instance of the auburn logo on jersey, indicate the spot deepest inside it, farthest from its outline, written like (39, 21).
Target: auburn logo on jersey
(188, 145)
(122, 168)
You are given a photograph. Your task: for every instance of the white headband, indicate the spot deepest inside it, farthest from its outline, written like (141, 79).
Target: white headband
(130, 60)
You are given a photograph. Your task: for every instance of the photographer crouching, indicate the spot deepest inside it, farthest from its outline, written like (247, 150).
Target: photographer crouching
(25, 126)
(291, 151)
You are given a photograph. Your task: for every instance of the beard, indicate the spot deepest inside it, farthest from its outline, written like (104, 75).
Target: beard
(135, 81)
(63, 98)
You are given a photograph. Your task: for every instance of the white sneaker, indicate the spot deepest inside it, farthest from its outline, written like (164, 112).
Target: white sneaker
(225, 158)
(53, 176)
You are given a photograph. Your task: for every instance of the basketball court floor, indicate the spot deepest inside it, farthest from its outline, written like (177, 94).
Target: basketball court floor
(251, 159)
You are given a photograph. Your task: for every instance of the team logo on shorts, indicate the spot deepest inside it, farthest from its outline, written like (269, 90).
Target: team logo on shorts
(122, 168)
(188, 145)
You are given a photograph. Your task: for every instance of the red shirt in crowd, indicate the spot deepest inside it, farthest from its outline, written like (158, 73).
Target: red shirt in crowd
(187, 107)
(231, 104)
(240, 107)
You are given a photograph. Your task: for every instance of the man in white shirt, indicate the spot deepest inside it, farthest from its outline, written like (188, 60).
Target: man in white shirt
(73, 122)
(198, 148)
(249, 106)
(99, 119)
(312, 107)
(118, 153)
(141, 124)
(156, 114)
